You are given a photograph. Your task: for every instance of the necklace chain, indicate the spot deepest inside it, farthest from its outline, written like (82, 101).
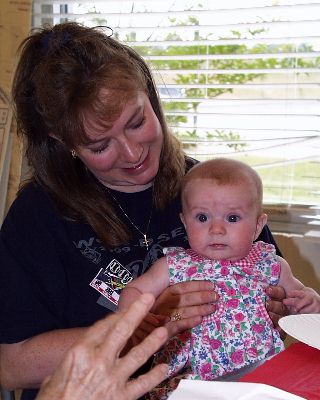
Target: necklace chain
(146, 241)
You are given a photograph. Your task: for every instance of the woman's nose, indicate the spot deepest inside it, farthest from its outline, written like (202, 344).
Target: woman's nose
(130, 150)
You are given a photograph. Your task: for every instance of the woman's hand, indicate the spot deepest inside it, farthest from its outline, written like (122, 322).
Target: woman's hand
(92, 368)
(186, 303)
(275, 307)
(148, 325)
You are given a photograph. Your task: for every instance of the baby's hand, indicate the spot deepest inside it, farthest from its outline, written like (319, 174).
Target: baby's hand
(149, 323)
(303, 301)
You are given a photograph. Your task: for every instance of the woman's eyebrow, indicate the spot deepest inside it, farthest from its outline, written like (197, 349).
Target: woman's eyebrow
(137, 110)
(96, 141)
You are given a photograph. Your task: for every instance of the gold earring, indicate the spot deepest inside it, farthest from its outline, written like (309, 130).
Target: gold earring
(73, 153)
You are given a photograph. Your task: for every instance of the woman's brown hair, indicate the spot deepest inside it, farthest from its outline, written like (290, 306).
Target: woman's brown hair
(60, 73)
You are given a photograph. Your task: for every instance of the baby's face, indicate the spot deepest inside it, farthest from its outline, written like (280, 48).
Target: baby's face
(221, 221)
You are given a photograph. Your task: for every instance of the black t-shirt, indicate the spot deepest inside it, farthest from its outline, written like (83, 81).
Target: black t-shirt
(56, 274)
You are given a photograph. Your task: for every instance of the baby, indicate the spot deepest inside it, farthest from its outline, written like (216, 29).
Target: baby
(222, 214)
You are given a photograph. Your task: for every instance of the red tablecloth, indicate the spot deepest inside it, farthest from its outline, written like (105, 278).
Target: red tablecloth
(296, 370)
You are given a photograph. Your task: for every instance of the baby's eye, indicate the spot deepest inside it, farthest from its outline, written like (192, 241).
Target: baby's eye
(202, 218)
(233, 218)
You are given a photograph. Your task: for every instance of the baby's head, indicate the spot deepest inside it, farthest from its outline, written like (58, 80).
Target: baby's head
(225, 172)
(222, 208)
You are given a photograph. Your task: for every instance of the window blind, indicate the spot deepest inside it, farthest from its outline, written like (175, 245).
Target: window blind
(236, 79)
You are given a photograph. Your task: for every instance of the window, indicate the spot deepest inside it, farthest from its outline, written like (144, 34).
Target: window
(237, 79)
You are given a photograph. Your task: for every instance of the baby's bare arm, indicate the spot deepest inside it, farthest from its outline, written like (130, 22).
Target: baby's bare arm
(154, 281)
(128, 295)
(287, 280)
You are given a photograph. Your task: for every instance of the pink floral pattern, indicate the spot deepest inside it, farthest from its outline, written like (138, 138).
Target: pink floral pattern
(239, 333)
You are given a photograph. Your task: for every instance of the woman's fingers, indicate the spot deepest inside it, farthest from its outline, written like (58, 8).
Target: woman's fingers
(192, 286)
(139, 354)
(194, 293)
(192, 311)
(186, 303)
(155, 320)
(124, 324)
(197, 298)
(144, 383)
(276, 293)
(275, 307)
(176, 327)
(185, 294)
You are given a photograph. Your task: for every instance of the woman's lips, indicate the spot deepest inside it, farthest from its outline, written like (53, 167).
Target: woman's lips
(139, 167)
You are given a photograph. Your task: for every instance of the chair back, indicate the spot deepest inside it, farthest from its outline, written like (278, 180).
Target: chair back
(7, 394)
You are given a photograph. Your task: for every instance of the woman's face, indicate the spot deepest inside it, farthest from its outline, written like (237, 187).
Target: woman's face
(126, 156)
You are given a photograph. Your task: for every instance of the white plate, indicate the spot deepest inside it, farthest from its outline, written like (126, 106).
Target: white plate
(304, 327)
(205, 390)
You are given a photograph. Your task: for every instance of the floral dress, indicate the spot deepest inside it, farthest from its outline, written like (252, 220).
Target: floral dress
(239, 333)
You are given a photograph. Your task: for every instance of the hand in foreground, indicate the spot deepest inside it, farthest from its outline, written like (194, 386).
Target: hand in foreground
(186, 303)
(275, 306)
(148, 325)
(92, 369)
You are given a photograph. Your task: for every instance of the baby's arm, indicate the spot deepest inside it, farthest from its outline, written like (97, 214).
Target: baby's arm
(299, 299)
(154, 281)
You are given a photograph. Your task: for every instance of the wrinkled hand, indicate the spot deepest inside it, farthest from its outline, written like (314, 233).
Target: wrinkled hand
(305, 300)
(92, 368)
(148, 325)
(275, 306)
(191, 300)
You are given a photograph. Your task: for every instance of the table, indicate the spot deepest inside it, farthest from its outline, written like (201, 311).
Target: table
(296, 370)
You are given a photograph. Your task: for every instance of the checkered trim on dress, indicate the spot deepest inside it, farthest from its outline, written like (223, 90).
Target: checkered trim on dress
(254, 256)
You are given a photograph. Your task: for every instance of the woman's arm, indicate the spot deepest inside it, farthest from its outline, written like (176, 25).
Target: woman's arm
(26, 364)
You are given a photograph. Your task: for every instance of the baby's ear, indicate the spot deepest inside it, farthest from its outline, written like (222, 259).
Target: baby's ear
(261, 222)
(182, 219)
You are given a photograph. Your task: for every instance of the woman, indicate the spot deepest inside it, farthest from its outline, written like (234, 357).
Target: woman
(100, 206)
